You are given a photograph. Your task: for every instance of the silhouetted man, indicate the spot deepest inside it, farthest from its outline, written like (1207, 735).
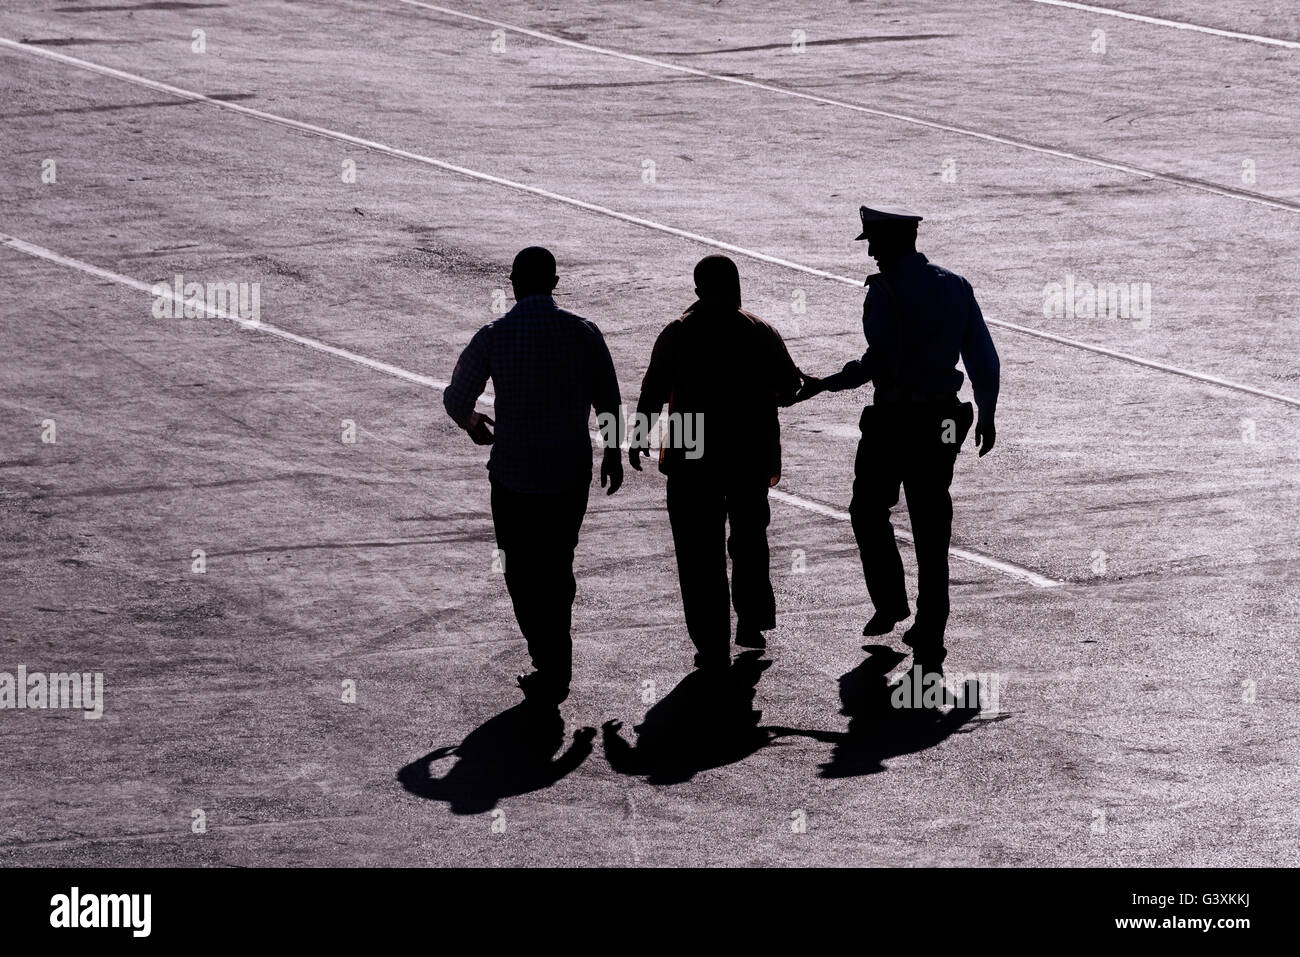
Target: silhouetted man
(918, 318)
(722, 372)
(548, 369)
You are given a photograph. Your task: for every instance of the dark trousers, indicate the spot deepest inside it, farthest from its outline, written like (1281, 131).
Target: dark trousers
(699, 508)
(537, 534)
(902, 444)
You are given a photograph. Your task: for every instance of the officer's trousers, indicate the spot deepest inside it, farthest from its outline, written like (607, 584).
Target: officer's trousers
(699, 508)
(903, 444)
(537, 534)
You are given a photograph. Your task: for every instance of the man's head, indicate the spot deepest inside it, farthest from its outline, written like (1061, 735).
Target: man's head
(533, 273)
(890, 232)
(717, 280)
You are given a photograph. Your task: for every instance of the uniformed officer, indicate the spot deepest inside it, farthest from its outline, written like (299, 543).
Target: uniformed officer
(918, 319)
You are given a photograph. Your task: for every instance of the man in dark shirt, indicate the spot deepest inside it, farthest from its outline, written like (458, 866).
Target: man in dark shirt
(548, 369)
(918, 319)
(722, 372)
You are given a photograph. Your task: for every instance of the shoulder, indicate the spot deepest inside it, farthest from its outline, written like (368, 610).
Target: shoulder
(585, 327)
(762, 326)
(947, 277)
(877, 288)
(674, 328)
(485, 331)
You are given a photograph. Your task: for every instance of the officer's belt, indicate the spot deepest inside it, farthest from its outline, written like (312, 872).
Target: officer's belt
(887, 396)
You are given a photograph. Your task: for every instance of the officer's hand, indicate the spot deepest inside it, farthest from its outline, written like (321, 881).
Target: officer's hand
(478, 428)
(634, 453)
(611, 470)
(811, 386)
(985, 436)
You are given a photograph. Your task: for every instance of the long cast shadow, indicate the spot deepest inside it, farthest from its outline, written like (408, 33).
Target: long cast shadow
(878, 730)
(706, 721)
(509, 754)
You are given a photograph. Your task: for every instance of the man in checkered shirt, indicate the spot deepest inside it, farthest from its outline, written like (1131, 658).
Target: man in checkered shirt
(548, 368)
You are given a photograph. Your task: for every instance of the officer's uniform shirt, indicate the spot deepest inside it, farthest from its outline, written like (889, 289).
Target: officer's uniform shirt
(918, 319)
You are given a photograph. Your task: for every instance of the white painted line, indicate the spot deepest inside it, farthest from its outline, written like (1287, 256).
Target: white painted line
(40, 252)
(1187, 181)
(1176, 24)
(977, 558)
(615, 214)
(149, 835)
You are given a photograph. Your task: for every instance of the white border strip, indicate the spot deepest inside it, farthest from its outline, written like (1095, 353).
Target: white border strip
(977, 558)
(1176, 24)
(611, 213)
(40, 252)
(1187, 181)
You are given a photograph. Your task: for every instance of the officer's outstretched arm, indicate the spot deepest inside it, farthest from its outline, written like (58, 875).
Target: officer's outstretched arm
(854, 374)
(809, 386)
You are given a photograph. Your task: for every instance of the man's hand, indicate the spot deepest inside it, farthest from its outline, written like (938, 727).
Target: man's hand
(478, 428)
(985, 436)
(611, 470)
(634, 453)
(809, 387)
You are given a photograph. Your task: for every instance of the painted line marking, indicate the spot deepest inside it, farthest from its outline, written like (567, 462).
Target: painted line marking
(150, 835)
(1171, 178)
(616, 214)
(40, 252)
(1176, 24)
(977, 558)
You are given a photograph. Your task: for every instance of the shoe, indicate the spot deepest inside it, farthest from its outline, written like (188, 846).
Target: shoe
(921, 639)
(541, 690)
(750, 637)
(927, 651)
(882, 623)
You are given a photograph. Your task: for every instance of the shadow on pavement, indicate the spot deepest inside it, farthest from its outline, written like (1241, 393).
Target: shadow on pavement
(878, 730)
(512, 753)
(707, 721)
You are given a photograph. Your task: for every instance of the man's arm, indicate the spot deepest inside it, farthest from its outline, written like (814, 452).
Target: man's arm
(786, 377)
(468, 380)
(607, 402)
(980, 358)
(856, 372)
(655, 390)
(655, 385)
